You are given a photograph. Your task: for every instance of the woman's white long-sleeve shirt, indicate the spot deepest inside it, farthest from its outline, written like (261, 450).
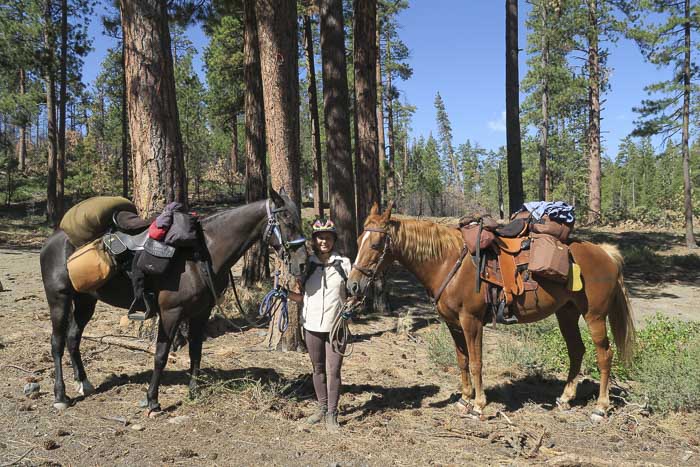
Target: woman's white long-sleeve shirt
(324, 294)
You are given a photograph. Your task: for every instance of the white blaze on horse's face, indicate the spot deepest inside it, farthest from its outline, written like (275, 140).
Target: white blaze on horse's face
(364, 237)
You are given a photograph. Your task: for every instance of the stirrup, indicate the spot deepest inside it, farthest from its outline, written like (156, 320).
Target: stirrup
(135, 315)
(500, 315)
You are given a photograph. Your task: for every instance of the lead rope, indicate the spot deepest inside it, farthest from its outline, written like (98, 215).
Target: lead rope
(275, 301)
(340, 335)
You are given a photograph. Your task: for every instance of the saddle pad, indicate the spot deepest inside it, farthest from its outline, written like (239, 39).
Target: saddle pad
(575, 284)
(91, 218)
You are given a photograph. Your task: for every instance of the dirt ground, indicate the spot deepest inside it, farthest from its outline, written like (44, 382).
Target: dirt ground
(396, 407)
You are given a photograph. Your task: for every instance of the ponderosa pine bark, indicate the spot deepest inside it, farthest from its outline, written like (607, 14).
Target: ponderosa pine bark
(316, 155)
(515, 167)
(366, 146)
(337, 122)
(255, 262)
(544, 125)
(277, 36)
(381, 141)
(62, 96)
(125, 132)
(593, 114)
(52, 133)
(687, 185)
(22, 142)
(154, 128)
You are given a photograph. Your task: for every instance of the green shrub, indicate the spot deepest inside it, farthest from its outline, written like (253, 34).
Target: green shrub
(441, 348)
(641, 255)
(665, 364)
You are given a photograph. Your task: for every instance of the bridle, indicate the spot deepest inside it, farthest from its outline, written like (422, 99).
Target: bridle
(284, 246)
(372, 272)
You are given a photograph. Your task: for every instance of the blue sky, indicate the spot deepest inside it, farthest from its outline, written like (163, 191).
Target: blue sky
(458, 48)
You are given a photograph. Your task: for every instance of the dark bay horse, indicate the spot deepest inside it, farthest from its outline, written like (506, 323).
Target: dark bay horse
(182, 292)
(430, 251)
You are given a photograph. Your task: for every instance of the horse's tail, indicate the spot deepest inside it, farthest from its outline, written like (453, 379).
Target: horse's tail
(620, 314)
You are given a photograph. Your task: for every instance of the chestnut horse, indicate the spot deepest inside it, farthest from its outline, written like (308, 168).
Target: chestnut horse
(430, 251)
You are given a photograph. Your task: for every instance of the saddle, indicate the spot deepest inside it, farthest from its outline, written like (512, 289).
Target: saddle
(137, 255)
(502, 254)
(506, 254)
(129, 222)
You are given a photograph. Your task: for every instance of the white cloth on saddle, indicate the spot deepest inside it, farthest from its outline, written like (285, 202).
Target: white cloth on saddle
(324, 294)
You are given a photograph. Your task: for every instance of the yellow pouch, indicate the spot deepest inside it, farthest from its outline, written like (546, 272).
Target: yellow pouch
(574, 284)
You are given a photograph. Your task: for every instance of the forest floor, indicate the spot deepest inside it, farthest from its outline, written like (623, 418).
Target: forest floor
(396, 406)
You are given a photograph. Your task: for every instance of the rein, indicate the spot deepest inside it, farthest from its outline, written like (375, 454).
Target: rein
(272, 227)
(276, 300)
(371, 273)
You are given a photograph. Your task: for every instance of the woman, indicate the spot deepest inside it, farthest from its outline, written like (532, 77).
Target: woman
(324, 294)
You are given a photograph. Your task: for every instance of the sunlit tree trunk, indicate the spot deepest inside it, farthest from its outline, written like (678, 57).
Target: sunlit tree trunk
(255, 262)
(154, 128)
(277, 35)
(337, 121)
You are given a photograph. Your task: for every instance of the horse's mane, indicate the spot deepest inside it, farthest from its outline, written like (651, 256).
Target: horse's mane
(423, 241)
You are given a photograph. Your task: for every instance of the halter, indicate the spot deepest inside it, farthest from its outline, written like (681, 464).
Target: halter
(273, 227)
(369, 272)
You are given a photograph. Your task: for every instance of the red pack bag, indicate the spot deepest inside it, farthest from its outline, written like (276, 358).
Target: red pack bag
(156, 233)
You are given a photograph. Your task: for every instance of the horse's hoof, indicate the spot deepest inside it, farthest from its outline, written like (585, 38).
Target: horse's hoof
(466, 409)
(155, 413)
(563, 405)
(61, 405)
(84, 388)
(597, 416)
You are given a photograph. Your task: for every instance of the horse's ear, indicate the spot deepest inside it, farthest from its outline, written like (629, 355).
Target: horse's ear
(279, 202)
(387, 212)
(375, 209)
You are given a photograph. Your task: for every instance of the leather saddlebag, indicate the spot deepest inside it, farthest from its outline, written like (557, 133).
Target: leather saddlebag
(90, 267)
(560, 230)
(470, 234)
(549, 258)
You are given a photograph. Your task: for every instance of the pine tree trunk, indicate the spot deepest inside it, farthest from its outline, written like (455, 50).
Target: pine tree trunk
(687, 186)
(154, 125)
(52, 133)
(544, 127)
(235, 157)
(63, 94)
(315, 122)
(337, 122)
(255, 263)
(515, 176)
(125, 132)
(277, 34)
(381, 144)
(22, 143)
(367, 157)
(593, 114)
(391, 176)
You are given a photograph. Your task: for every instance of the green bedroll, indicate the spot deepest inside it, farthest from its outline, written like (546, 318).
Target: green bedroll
(91, 218)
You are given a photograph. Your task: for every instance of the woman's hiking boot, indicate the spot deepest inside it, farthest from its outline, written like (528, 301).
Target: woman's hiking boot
(332, 425)
(317, 416)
